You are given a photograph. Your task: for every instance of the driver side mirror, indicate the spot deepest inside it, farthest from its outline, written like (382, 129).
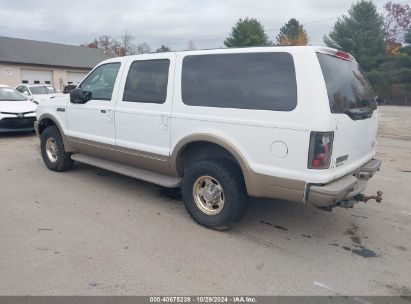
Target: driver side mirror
(79, 96)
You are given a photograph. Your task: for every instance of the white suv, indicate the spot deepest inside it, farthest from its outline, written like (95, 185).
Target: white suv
(293, 123)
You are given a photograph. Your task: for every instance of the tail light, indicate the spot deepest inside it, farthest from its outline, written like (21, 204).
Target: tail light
(319, 154)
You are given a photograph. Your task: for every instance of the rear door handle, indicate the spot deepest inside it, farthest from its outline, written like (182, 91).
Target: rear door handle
(103, 111)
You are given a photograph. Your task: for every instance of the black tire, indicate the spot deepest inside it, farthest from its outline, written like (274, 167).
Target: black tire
(231, 180)
(63, 159)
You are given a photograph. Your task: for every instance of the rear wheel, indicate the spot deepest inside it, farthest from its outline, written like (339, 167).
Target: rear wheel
(214, 193)
(52, 150)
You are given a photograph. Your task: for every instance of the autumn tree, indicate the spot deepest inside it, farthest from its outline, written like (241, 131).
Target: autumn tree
(397, 21)
(247, 32)
(93, 45)
(106, 43)
(292, 33)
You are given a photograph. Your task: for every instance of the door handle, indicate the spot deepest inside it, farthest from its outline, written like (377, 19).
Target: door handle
(103, 111)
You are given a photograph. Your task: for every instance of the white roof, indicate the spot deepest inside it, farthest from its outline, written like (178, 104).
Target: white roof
(319, 49)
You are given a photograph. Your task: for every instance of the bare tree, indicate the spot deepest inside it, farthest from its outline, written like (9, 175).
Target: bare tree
(191, 46)
(116, 48)
(143, 48)
(105, 43)
(127, 43)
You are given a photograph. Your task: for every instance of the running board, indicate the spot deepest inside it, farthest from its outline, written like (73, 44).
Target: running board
(144, 175)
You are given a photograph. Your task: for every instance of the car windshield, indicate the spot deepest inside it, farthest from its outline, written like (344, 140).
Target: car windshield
(39, 90)
(348, 88)
(10, 94)
(50, 90)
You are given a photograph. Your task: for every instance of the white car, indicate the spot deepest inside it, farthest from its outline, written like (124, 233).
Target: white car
(38, 93)
(17, 113)
(293, 123)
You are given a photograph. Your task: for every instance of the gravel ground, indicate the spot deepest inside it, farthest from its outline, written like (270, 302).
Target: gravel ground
(92, 232)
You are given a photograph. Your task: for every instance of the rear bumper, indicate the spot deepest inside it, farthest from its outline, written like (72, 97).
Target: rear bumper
(343, 188)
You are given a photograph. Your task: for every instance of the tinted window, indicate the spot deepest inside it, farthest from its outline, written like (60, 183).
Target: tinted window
(263, 81)
(147, 81)
(101, 81)
(347, 86)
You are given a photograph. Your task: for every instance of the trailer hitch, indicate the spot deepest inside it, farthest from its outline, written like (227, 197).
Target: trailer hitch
(366, 198)
(349, 203)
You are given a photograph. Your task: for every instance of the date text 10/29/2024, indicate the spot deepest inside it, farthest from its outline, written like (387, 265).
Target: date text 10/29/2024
(205, 299)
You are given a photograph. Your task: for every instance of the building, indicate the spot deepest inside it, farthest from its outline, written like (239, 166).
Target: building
(37, 62)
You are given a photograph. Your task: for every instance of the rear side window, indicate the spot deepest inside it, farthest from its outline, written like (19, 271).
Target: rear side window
(347, 87)
(147, 81)
(261, 81)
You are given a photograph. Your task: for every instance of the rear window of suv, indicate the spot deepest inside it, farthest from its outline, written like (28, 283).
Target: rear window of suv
(261, 81)
(347, 87)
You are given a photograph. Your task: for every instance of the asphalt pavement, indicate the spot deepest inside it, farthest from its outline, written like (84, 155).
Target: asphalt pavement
(92, 232)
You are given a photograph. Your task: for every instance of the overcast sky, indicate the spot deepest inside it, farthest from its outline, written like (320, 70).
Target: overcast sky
(170, 22)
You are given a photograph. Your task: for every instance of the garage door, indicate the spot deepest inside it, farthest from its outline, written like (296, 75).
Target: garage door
(36, 76)
(75, 77)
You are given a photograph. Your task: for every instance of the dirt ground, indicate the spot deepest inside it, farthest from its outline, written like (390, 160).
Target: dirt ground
(92, 232)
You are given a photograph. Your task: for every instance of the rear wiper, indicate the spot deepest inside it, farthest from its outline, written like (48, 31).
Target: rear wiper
(359, 113)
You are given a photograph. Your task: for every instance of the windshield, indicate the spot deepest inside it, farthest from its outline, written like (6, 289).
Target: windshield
(348, 88)
(50, 90)
(10, 94)
(38, 90)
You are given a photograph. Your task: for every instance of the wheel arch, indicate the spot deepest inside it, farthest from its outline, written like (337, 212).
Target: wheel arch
(47, 120)
(200, 140)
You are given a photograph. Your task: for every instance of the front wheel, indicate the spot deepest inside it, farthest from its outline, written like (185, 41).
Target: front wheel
(214, 193)
(52, 150)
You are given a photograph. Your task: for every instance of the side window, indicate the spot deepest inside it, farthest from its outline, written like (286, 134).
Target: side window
(259, 81)
(100, 83)
(22, 89)
(147, 81)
